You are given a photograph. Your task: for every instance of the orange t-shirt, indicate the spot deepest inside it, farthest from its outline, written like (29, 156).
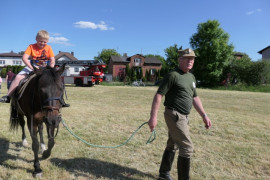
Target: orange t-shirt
(39, 57)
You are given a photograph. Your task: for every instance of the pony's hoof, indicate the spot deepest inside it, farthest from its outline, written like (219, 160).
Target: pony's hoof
(37, 174)
(46, 154)
(25, 143)
(42, 148)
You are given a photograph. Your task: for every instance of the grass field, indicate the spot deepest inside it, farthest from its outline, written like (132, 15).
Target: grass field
(236, 147)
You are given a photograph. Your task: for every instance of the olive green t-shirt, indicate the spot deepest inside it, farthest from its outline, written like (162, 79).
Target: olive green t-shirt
(179, 89)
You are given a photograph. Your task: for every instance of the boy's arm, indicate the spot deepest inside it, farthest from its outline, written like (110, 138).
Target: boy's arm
(26, 61)
(52, 62)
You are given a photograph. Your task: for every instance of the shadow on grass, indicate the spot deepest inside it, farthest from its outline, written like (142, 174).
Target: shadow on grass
(4, 155)
(100, 169)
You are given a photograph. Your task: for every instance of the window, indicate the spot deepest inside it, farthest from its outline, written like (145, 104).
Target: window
(137, 61)
(17, 62)
(153, 71)
(76, 69)
(2, 61)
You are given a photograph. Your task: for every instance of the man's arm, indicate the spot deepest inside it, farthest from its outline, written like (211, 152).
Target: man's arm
(199, 108)
(154, 111)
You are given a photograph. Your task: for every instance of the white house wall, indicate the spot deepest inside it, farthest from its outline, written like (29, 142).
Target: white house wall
(11, 61)
(72, 69)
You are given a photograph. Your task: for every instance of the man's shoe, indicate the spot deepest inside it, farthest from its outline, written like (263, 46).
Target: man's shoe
(65, 105)
(5, 99)
(167, 177)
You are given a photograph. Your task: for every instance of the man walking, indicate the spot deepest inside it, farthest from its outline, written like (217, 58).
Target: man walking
(179, 88)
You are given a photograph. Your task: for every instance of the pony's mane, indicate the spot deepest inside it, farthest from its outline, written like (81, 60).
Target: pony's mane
(48, 72)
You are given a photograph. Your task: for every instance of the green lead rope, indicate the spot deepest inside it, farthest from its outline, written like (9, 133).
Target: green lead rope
(150, 139)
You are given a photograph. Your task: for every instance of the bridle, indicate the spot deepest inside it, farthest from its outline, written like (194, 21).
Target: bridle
(52, 107)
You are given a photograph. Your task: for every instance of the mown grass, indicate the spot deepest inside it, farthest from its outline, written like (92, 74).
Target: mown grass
(236, 147)
(259, 88)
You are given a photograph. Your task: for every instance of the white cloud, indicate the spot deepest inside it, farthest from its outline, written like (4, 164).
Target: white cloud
(55, 34)
(90, 25)
(60, 40)
(254, 11)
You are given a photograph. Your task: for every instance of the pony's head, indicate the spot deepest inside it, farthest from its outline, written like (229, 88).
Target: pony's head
(50, 92)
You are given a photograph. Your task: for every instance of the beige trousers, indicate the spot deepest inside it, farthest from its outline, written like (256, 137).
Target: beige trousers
(178, 135)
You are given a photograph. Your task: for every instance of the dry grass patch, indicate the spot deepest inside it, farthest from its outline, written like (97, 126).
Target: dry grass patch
(237, 147)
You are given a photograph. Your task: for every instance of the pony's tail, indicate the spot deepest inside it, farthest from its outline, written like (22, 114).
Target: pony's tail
(14, 119)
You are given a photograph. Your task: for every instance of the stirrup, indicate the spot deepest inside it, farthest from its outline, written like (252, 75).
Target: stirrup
(65, 105)
(5, 99)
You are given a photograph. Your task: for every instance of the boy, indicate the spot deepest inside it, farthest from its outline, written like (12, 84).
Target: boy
(40, 54)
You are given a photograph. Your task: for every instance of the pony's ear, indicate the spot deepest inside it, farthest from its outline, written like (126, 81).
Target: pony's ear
(36, 70)
(61, 69)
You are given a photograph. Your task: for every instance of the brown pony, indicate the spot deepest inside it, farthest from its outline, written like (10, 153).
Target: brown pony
(40, 101)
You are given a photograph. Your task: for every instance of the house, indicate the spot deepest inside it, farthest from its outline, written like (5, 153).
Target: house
(73, 68)
(117, 64)
(10, 59)
(238, 55)
(73, 65)
(265, 53)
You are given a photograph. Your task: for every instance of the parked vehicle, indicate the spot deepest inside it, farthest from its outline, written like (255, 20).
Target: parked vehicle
(93, 73)
(138, 83)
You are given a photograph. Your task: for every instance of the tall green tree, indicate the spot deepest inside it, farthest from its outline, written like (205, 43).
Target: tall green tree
(172, 57)
(213, 51)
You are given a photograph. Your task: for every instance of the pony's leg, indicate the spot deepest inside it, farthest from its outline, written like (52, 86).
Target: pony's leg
(42, 144)
(22, 123)
(35, 147)
(50, 132)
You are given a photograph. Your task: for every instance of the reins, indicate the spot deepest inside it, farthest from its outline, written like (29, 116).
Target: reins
(150, 139)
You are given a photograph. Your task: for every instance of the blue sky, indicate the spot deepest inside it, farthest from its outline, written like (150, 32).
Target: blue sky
(85, 27)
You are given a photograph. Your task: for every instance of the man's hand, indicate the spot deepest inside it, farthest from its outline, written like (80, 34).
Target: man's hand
(207, 122)
(152, 123)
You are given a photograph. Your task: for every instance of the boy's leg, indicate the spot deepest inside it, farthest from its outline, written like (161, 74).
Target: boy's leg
(14, 84)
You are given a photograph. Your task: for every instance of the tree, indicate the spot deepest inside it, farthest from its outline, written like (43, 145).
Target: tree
(105, 55)
(266, 71)
(213, 52)
(237, 68)
(172, 57)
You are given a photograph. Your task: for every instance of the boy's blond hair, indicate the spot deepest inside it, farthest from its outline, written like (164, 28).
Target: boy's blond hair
(43, 34)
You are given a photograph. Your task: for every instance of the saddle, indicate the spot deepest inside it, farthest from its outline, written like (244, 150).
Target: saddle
(20, 90)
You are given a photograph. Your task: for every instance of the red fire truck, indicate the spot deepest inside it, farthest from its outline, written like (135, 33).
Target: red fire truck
(93, 72)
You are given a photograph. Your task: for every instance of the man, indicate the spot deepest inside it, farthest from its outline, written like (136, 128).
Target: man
(9, 78)
(179, 88)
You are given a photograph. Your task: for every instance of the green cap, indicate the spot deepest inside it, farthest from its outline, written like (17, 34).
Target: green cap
(186, 53)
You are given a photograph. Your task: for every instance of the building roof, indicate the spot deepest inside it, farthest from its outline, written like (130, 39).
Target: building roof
(152, 60)
(125, 59)
(263, 49)
(122, 59)
(10, 54)
(67, 54)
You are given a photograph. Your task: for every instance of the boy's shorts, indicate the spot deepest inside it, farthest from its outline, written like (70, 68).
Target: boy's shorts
(25, 70)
